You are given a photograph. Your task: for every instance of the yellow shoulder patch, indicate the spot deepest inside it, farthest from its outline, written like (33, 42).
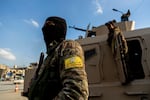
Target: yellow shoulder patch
(73, 62)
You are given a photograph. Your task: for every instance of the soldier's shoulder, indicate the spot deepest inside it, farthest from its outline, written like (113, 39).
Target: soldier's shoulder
(70, 47)
(70, 43)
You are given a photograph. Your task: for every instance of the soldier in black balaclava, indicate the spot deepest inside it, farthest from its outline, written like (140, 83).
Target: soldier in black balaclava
(62, 75)
(54, 31)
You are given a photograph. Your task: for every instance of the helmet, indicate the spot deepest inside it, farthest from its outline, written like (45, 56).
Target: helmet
(54, 29)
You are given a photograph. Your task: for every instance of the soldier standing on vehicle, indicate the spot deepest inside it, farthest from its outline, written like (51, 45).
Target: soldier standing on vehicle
(62, 75)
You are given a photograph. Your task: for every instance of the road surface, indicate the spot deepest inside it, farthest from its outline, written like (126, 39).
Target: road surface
(7, 91)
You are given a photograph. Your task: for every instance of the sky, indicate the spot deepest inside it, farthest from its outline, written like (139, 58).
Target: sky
(21, 39)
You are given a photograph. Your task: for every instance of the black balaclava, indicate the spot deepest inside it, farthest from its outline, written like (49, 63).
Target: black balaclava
(54, 30)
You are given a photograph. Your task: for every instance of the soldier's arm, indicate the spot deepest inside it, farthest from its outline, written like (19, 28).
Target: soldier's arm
(72, 73)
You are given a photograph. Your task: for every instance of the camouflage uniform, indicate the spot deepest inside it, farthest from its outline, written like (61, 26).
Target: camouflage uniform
(65, 66)
(114, 33)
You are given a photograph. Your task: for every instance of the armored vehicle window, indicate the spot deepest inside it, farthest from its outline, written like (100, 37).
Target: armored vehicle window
(89, 53)
(134, 65)
(92, 61)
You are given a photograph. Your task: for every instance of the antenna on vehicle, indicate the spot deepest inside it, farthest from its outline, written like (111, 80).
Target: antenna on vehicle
(87, 29)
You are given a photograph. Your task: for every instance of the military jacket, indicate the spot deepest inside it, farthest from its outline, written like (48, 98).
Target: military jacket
(63, 74)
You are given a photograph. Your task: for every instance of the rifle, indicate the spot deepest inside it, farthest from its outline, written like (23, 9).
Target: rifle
(39, 65)
(35, 77)
(122, 54)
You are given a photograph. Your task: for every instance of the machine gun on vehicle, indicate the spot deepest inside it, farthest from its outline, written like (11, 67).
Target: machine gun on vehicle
(89, 33)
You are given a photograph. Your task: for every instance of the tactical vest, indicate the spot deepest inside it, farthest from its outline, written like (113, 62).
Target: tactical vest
(48, 84)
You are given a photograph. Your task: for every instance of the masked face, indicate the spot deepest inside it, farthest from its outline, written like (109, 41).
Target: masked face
(54, 29)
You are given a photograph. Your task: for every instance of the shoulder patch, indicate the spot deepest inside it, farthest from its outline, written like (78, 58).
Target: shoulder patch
(73, 62)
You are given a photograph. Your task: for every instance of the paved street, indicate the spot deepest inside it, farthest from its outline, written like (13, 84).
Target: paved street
(7, 91)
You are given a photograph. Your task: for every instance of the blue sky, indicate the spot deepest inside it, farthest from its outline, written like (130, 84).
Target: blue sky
(21, 39)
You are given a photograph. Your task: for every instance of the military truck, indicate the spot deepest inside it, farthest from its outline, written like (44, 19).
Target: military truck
(107, 74)
(112, 77)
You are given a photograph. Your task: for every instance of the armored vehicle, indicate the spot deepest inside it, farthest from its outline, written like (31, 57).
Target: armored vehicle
(114, 77)
(119, 77)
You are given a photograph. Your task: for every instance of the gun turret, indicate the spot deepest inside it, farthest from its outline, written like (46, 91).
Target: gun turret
(125, 16)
